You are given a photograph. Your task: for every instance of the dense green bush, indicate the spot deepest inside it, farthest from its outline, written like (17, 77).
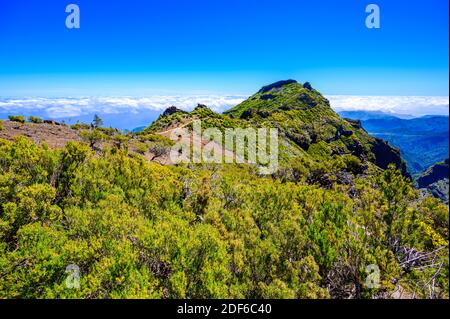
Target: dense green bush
(141, 230)
(34, 119)
(80, 126)
(17, 118)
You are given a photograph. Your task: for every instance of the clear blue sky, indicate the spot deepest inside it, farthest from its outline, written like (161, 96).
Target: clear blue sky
(136, 47)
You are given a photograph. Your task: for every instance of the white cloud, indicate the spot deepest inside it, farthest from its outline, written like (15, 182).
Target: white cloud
(75, 107)
(71, 107)
(412, 105)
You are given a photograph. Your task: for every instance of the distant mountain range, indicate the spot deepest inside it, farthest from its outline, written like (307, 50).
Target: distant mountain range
(372, 115)
(422, 141)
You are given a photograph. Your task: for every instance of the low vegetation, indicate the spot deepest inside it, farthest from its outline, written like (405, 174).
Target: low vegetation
(330, 223)
(36, 120)
(17, 118)
(143, 230)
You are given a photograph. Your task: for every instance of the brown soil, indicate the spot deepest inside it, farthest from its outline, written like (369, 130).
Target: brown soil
(55, 136)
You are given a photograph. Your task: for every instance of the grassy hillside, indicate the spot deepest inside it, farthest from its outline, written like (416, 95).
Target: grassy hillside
(306, 119)
(308, 128)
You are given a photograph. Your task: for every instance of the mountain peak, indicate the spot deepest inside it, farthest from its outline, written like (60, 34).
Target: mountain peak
(172, 110)
(276, 85)
(281, 96)
(201, 106)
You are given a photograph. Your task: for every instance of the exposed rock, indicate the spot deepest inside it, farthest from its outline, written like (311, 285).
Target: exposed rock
(385, 154)
(356, 148)
(338, 151)
(433, 174)
(343, 132)
(266, 97)
(339, 132)
(313, 136)
(308, 86)
(344, 178)
(201, 106)
(275, 85)
(435, 181)
(247, 114)
(440, 190)
(301, 140)
(172, 110)
(263, 114)
(52, 122)
(306, 99)
(250, 113)
(355, 123)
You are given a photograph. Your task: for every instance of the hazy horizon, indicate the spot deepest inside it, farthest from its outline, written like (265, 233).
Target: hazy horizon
(128, 112)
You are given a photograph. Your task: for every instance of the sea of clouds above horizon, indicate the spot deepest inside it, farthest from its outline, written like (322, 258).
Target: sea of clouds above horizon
(61, 108)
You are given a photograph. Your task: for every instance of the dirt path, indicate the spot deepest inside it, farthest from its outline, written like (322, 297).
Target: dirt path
(57, 136)
(195, 139)
(173, 129)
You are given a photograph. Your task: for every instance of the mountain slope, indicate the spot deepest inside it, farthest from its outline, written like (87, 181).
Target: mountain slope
(310, 132)
(306, 119)
(422, 141)
(53, 134)
(435, 181)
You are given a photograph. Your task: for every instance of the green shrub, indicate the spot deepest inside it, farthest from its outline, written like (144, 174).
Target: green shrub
(80, 126)
(35, 119)
(94, 137)
(141, 148)
(144, 230)
(353, 164)
(109, 130)
(17, 118)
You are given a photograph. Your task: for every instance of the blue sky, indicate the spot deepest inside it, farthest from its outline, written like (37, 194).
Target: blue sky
(138, 47)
